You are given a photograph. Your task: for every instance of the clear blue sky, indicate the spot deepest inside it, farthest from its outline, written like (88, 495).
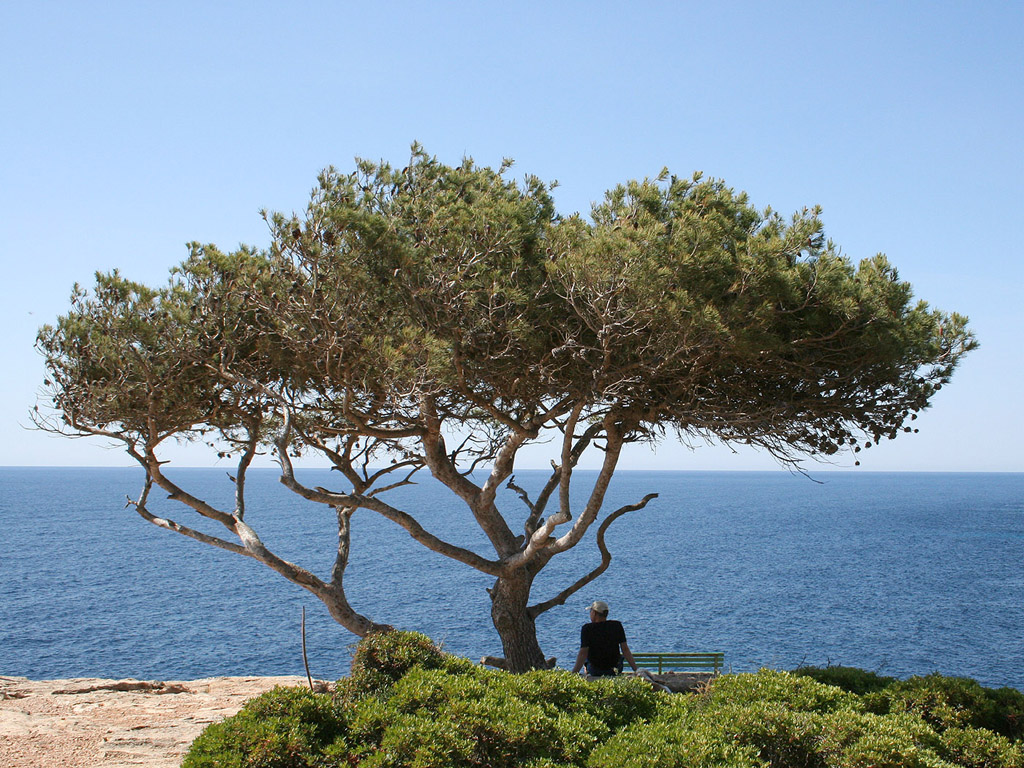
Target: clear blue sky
(130, 128)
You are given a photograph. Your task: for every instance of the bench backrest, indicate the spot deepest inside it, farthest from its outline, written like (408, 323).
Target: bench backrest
(712, 661)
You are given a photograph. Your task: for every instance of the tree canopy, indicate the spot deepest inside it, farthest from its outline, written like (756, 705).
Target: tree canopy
(438, 318)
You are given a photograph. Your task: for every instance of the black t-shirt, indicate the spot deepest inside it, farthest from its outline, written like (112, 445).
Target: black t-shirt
(602, 638)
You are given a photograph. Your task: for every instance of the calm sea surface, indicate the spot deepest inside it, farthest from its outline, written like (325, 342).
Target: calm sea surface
(899, 573)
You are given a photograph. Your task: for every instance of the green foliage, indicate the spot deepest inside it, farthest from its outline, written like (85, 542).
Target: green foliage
(952, 702)
(851, 679)
(790, 721)
(484, 717)
(893, 741)
(980, 748)
(783, 737)
(673, 744)
(283, 728)
(417, 706)
(436, 719)
(792, 691)
(1009, 709)
(678, 303)
(382, 658)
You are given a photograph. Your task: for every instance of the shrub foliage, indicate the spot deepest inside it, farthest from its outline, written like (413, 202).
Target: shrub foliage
(407, 703)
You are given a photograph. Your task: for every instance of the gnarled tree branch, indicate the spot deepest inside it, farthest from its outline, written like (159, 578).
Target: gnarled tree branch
(606, 558)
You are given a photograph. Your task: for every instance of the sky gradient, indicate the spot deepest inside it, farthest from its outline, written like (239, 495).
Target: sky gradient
(130, 129)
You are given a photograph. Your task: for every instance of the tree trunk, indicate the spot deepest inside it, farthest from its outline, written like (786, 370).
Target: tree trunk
(515, 624)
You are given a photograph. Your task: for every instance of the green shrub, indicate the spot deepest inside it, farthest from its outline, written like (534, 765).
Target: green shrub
(980, 748)
(282, 728)
(620, 702)
(384, 657)
(408, 704)
(424, 742)
(840, 730)
(892, 741)
(858, 681)
(434, 718)
(778, 735)
(1007, 716)
(953, 702)
(776, 720)
(432, 689)
(685, 742)
(768, 718)
(368, 721)
(796, 692)
(679, 736)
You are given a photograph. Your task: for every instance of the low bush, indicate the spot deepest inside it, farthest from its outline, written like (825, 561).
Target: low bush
(952, 702)
(488, 718)
(282, 728)
(780, 736)
(689, 742)
(384, 657)
(783, 720)
(980, 748)
(897, 741)
(796, 692)
(852, 679)
(1008, 704)
(407, 703)
(772, 719)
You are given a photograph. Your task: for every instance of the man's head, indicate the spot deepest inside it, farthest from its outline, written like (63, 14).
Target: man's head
(598, 610)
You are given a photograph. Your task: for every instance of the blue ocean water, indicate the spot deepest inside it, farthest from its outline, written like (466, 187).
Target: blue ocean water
(893, 572)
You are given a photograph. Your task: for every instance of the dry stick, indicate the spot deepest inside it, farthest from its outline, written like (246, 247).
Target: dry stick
(305, 660)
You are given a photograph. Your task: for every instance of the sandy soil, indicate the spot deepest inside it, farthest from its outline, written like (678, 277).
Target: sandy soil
(93, 723)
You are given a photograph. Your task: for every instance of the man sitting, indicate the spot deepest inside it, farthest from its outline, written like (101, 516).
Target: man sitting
(602, 644)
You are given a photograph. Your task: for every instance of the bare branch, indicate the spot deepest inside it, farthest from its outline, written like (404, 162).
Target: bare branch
(170, 525)
(175, 492)
(521, 493)
(251, 546)
(243, 466)
(403, 519)
(606, 558)
(486, 514)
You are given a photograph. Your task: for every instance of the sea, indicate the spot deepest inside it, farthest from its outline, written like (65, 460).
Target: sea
(898, 573)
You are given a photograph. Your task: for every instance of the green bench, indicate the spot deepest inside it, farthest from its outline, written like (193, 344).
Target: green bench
(712, 661)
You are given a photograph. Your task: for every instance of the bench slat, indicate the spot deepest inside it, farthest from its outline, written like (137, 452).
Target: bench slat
(710, 660)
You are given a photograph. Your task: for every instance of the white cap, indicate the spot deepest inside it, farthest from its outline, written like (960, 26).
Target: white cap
(600, 606)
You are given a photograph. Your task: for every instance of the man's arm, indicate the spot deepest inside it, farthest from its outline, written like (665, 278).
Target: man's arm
(627, 654)
(581, 658)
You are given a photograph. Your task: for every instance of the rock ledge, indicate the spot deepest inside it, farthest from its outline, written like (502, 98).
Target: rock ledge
(97, 723)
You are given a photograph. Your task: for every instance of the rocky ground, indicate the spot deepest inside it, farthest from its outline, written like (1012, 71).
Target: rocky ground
(93, 723)
(676, 682)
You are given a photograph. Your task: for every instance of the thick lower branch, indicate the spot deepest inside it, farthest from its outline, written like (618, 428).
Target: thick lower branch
(443, 469)
(251, 545)
(606, 558)
(542, 542)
